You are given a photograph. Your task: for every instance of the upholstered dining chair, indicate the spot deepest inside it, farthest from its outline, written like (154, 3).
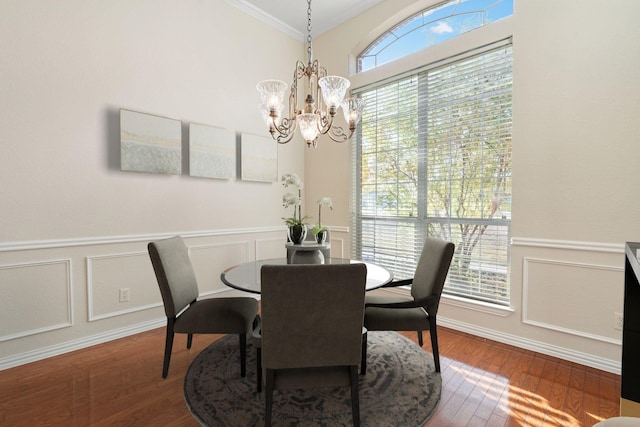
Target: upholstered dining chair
(188, 315)
(312, 319)
(418, 312)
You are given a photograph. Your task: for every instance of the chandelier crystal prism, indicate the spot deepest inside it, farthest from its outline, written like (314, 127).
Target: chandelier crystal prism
(326, 94)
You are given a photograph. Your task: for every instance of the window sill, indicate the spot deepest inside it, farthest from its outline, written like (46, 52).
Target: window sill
(484, 307)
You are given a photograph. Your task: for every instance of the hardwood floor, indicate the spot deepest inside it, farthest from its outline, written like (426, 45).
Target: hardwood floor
(119, 383)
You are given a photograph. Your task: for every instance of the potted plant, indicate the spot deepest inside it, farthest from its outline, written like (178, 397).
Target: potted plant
(319, 230)
(297, 229)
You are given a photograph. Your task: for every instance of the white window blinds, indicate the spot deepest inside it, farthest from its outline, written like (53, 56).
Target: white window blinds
(434, 158)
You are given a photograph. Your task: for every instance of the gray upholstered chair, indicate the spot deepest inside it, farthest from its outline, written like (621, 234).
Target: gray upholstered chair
(418, 312)
(312, 328)
(187, 315)
(619, 422)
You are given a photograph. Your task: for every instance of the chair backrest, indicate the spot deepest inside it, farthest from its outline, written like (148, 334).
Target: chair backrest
(175, 274)
(312, 315)
(431, 271)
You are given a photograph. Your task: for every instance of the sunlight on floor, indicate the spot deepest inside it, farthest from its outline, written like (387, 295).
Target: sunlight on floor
(530, 409)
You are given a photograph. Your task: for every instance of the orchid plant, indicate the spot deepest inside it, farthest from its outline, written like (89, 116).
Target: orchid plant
(324, 201)
(291, 199)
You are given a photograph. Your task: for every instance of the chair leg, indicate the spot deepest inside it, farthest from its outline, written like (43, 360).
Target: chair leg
(243, 355)
(434, 342)
(258, 369)
(363, 361)
(268, 398)
(189, 341)
(168, 345)
(420, 342)
(355, 396)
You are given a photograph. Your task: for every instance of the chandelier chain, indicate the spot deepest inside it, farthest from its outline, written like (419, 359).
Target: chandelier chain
(309, 30)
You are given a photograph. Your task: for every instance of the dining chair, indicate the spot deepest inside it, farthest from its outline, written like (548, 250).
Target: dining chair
(188, 315)
(311, 332)
(417, 312)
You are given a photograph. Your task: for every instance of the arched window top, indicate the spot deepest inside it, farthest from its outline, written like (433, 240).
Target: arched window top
(431, 26)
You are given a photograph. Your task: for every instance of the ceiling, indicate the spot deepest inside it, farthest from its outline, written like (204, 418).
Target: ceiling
(290, 16)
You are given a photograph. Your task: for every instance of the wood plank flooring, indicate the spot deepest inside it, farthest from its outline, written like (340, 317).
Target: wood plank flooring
(119, 383)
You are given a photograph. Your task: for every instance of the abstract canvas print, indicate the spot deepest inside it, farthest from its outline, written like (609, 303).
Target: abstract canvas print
(259, 158)
(212, 152)
(150, 143)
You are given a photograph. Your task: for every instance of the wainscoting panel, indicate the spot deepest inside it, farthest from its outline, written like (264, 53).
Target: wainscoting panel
(107, 274)
(271, 248)
(564, 296)
(35, 297)
(212, 259)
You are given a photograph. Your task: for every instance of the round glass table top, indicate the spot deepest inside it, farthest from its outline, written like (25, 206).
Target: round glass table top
(246, 276)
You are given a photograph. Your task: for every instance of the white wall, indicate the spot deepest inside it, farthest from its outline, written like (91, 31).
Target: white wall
(73, 227)
(575, 150)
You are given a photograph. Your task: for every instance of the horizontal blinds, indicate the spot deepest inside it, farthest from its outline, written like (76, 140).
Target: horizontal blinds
(434, 158)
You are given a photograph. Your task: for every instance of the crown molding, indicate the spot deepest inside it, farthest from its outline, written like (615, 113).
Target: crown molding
(271, 20)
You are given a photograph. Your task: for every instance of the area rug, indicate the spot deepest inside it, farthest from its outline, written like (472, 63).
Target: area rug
(400, 388)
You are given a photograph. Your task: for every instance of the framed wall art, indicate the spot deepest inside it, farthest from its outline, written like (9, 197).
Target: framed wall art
(150, 143)
(259, 158)
(212, 152)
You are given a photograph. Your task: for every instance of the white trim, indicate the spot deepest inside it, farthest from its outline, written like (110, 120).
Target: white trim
(268, 19)
(608, 365)
(257, 242)
(481, 306)
(525, 292)
(617, 248)
(90, 302)
(69, 322)
(66, 347)
(94, 241)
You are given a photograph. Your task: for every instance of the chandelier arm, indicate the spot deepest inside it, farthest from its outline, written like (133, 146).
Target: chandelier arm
(337, 134)
(285, 130)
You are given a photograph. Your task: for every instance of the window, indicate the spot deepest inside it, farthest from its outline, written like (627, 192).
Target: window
(433, 158)
(431, 26)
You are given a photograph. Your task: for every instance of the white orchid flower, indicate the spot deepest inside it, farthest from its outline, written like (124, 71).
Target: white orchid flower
(290, 199)
(326, 201)
(291, 179)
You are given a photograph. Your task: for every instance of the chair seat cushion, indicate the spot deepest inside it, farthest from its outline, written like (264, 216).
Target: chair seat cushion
(218, 316)
(393, 319)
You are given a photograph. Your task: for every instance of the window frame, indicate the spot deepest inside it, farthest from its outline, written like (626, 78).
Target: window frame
(421, 220)
(400, 32)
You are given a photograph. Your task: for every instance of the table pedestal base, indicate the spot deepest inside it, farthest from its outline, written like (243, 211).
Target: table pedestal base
(307, 257)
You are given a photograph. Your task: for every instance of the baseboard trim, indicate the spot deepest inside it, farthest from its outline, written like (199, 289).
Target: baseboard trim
(600, 363)
(78, 344)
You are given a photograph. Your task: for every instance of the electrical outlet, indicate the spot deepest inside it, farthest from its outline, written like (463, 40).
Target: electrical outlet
(124, 295)
(618, 321)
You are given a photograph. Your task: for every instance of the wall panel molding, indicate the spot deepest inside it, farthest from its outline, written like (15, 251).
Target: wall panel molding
(210, 259)
(95, 282)
(569, 245)
(38, 292)
(528, 298)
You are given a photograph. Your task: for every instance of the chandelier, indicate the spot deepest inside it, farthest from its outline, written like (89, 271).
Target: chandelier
(326, 94)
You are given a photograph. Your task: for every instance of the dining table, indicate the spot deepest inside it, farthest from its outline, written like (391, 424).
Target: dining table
(246, 276)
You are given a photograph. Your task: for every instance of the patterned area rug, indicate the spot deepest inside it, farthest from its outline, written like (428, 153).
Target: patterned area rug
(401, 388)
